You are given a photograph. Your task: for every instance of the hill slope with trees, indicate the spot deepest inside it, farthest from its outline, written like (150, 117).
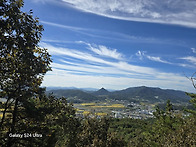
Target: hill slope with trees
(142, 93)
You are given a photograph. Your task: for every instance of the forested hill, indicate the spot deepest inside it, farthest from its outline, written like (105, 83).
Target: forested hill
(150, 94)
(142, 93)
(73, 95)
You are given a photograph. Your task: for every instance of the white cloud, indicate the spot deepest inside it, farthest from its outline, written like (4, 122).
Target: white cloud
(142, 54)
(179, 12)
(87, 69)
(90, 58)
(190, 59)
(111, 35)
(186, 65)
(74, 54)
(105, 51)
(194, 50)
(42, 1)
(62, 26)
(157, 59)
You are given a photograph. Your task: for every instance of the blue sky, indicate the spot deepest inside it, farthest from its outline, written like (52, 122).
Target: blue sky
(118, 44)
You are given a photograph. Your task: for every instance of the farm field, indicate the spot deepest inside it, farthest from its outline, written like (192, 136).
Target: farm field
(98, 108)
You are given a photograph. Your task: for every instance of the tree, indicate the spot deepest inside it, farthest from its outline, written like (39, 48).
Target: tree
(22, 62)
(54, 118)
(94, 132)
(192, 95)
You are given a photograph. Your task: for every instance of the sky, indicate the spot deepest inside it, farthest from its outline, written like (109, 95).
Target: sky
(118, 44)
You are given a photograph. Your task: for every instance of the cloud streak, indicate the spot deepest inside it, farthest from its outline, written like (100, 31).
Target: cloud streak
(89, 58)
(157, 59)
(109, 35)
(90, 63)
(179, 12)
(104, 51)
(63, 26)
(142, 54)
(190, 59)
(194, 50)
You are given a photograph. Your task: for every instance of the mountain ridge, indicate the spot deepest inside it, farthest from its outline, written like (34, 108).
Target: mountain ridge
(140, 93)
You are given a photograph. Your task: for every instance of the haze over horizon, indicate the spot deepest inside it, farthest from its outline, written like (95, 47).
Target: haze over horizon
(118, 44)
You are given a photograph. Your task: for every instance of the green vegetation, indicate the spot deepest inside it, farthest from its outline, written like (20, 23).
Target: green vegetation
(134, 94)
(29, 117)
(74, 96)
(129, 128)
(166, 129)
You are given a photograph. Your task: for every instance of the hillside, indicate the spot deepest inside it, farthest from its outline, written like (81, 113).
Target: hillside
(150, 94)
(142, 93)
(73, 95)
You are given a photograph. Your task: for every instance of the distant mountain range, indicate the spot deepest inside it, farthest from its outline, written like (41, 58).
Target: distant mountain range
(142, 93)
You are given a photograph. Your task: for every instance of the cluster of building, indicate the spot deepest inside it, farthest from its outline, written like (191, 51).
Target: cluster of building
(134, 111)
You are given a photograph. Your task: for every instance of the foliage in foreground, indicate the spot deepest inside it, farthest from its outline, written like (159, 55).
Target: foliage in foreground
(54, 119)
(168, 129)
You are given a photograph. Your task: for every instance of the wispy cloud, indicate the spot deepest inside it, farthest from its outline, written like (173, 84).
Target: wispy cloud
(42, 1)
(110, 35)
(142, 54)
(194, 50)
(157, 59)
(190, 59)
(89, 58)
(90, 63)
(187, 65)
(104, 51)
(63, 26)
(179, 12)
